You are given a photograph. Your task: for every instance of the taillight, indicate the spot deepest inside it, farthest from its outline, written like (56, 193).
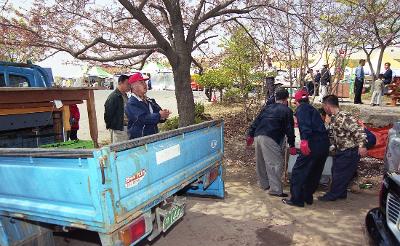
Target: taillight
(133, 232)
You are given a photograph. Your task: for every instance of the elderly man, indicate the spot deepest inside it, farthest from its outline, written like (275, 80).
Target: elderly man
(143, 113)
(350, 140)
(359, 82)
(269, 128)
(314, 148)
(114, 116)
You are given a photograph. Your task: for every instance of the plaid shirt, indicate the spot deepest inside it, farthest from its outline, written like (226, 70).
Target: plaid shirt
(345, 132)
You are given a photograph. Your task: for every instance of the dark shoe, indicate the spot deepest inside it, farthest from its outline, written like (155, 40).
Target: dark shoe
(326, 199)
(279, 195)
(310, 202)
(265, 188)
(290, 203)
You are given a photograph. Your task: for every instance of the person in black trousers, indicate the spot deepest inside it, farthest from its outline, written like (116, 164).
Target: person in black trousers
(314, 148)
(359, 82)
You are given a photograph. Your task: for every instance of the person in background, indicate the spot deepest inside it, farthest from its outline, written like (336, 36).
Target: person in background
(74, 121)
(314, 150)
(359, 82)
(143, 113)
(149, 82)
(388, 75)
(269, 129)
(309, 82)
(317, 80)
(324, 82)
(114, 111)
(271, 73)
(350, 141)
(378, 89)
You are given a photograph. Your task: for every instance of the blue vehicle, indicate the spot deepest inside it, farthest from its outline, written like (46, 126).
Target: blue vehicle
(24, 75)
(25, 129)
(125, 192)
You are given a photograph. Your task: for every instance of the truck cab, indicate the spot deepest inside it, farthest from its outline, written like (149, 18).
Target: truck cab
(24, 75)
(21, 127)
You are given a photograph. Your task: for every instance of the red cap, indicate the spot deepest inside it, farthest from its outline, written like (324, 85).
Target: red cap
(136, 77)
(300, 94)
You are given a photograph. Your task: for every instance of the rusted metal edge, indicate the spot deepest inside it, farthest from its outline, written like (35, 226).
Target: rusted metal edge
(161, 136)
(51, 152)
(88, 153)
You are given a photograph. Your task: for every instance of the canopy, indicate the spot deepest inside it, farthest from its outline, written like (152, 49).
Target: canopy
(98, 72)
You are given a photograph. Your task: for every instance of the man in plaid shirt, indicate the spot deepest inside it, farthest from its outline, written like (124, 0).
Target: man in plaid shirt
(350, 141)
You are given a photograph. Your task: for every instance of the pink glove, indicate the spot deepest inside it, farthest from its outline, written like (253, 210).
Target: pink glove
(292, 151)
(305, 150)
(249, 141)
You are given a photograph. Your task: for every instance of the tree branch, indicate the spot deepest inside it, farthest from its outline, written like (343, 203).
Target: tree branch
(203, 41)
(201, 69)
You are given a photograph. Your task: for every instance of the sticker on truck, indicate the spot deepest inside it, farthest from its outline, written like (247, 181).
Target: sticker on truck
(134, 179)
(168, 154)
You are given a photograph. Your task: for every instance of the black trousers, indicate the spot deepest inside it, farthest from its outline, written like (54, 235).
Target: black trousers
(358, 86)
(307, 172)
(73, 135)
(344, 167)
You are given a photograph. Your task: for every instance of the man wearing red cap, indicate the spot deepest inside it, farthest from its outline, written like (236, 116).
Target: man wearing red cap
(143, 113)
(314, 148)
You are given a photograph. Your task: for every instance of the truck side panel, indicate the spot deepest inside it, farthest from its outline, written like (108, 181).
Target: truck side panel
(50, 189)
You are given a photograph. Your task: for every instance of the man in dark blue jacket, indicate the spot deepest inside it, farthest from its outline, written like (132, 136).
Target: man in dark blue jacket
(269, 129)
(314, 148)
(388, 75)
(143, 113)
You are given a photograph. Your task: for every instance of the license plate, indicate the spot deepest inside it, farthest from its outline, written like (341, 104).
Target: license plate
(173, 215)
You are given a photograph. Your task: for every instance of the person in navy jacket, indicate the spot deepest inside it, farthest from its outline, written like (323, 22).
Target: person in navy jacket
(143, 113)
(314, 150)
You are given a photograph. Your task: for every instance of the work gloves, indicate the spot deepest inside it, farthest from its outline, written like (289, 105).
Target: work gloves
(304, 148)
(292, 151)
(249, 141)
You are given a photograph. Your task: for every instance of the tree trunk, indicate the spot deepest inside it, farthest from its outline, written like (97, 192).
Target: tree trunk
(380, 58)
(183, 91)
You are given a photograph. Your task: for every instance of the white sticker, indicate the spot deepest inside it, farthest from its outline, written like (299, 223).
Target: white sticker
(134, 179)
(213, 144)
(168, 154)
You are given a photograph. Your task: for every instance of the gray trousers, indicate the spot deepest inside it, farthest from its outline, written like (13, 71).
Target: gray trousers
(119, 136)
(269, 164)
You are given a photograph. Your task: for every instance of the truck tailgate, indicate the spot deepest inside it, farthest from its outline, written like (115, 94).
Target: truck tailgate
(148, 174)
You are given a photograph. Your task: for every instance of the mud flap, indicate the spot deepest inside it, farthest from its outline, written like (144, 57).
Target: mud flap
(213, 188)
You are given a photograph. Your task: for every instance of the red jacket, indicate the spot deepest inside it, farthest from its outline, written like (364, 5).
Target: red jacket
(74, 116)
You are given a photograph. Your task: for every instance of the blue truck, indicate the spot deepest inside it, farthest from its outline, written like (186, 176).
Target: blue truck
(25, 129)
(125, 192)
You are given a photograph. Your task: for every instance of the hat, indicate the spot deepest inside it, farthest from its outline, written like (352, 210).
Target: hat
(281, 94)
(136, 77)
(300, 94)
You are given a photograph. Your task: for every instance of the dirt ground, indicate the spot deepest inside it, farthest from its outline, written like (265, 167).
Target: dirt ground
(249, 216)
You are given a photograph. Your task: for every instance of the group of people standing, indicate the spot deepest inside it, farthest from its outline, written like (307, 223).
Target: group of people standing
(318, 84)
(276, 122)
(378, 86)
(129, 113)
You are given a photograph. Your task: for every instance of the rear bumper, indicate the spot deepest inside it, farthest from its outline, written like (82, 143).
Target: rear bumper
(375, 222)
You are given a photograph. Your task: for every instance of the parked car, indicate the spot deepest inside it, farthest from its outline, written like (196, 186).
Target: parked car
(383, 223)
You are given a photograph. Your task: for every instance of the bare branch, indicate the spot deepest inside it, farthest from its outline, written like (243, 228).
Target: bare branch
(203, 41)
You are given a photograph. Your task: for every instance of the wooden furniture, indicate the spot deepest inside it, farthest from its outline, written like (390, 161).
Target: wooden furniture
(34, 100)
(394, 91)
